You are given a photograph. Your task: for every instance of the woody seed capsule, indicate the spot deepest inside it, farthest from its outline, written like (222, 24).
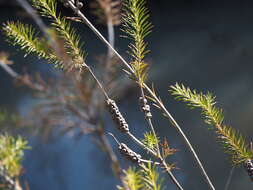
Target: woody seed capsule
(145, 107)
(117, 116)
(248, 165)
(129, 154)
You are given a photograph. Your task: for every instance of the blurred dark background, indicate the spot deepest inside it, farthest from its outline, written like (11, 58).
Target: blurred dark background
(207, 45)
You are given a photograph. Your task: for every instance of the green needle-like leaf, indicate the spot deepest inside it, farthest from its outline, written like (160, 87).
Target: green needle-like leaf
(24, 35)
(71, 39)
(136, 26)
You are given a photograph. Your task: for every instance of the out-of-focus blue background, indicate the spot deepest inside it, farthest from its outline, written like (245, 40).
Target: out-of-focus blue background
(207, 45)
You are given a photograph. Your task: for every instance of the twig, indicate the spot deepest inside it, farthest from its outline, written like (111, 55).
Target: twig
(158, 154)
(110, 30)
(141, 144)
(148, 119)
(8, 181)
(173, 178)
(178, 128)
(229, 178)
(98, 82)
(137, 140)
(174, 123)
(28, 8)
(111, 154)
(9, 70)
(22, 79)
(99, 35)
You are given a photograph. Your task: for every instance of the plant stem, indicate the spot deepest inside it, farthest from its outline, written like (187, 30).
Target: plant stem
(168, 170)
(108, 149)
(229, 178)
(158, 154)
(174, 123)
(150, 122)
(99, 35)
(180, 131)
(141, 144)
(110, 30)
(9, 70)
(22, 79)
(98, 82)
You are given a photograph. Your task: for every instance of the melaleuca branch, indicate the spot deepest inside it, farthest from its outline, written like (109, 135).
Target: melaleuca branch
(25, 37)
(123, 127)
(32, 42)
(28, 41)
(23, 79)
(233, 142)
(136, 26)
(63, 32)
(149, 90)
(72, 45)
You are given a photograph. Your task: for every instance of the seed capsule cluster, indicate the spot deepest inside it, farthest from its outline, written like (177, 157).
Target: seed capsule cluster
(117, 116)
(129, 154)
(145, 107)
(248, 165)
(77, 3)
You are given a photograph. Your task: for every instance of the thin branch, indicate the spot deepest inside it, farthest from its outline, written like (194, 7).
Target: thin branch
(158, 154)
(148, 119)
(99, 35)
(20, 78)
(174, 123)
(9, 70)
(180, 131)
(173, 178)
(229, 178)
(98, 82)
(136, 139)
(110, 30)
(141, 144)
(111, 154)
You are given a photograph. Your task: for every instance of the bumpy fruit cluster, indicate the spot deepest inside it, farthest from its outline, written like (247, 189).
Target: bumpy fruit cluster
(248, 165)
(129, 154)
(77, 3)
(145, 107)
(117, 116)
